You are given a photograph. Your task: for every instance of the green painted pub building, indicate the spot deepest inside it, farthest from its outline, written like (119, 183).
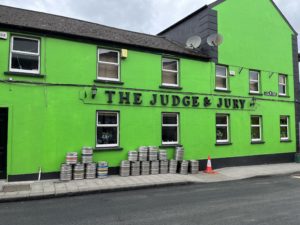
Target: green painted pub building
(66, 83)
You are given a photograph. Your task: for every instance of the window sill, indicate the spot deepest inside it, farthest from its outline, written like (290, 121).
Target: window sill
(257, 142)
(170, 87)
(170, 146)
(108, 82)
(20, 74)
(223, 144)
(257, 94)
(100, 149)
(285, 141)
(283, 96)
(220, 90)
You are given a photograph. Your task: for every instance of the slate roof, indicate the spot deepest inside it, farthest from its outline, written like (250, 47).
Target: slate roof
(47, 23)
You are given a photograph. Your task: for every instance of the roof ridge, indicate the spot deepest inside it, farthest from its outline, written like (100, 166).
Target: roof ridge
(80, 20)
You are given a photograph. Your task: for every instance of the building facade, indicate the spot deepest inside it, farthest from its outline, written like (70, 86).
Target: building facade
(67, 83)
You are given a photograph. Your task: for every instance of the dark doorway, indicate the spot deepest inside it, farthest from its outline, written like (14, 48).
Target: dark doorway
(3, 142)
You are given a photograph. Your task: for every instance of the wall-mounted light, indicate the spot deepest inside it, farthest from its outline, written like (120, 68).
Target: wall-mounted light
(94, 91)
(253, 102)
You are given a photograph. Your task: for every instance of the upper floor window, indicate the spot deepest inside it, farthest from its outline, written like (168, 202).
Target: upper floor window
(221, 77)
(254, 82)
(284, 128)
(170, 72)
(282, 85)
(25, 55)
(108, 65)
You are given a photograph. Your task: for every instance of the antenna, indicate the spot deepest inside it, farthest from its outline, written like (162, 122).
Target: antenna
(215, 40)
(193, 42)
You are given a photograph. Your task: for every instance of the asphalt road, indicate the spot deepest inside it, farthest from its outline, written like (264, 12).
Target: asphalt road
(261, 201)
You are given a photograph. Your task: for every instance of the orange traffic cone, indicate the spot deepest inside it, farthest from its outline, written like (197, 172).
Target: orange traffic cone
(209, 168)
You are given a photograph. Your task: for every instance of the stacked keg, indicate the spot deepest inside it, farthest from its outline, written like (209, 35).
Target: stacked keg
(194, 166)
(173, 166)
(153, 151)
(163, 166)
(87, 155)
(102, 169)
(78, 171)
(125, 168)
(90, 172)
(163, 155)
(145, 168)
(184, 167)
(65, 172)
(179, 153)
(154, 167)
(143, 153)
(135, 168)
(71, 158)
(132, 156)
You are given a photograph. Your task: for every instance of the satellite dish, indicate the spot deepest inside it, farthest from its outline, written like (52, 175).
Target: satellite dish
(215, 40)
(193, 42)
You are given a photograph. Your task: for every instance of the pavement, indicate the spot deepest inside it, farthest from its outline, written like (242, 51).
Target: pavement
(20, 191)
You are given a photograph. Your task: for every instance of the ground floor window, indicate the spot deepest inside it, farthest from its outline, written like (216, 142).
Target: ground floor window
(107, 129)
(170, 125)
(256, 128)
(222, 128)
(284, 128)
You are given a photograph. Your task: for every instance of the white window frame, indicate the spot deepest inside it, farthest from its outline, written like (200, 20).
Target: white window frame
(108, 125)
(171, 71)
(256, 81)
(170, 125)
(24, 53)
(223, 125)
(222, 76)
(108, 63)
(283, 84)
(287, 126)
(256, 125)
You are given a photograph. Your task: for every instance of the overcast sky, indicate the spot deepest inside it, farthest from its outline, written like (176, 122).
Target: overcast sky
(147, 16)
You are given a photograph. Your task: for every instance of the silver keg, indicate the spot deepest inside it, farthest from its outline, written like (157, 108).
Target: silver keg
(125, 168)
(102, 169)
(163, 166)
(135, 168)
(173, 166)
(65, 172)
(78, 172)
(143, 153)
(90, 171)
(194, 166)
(145, 168)
(153, 153)
(179, 153)
(154, 167)
(184, 167)
(87, 155)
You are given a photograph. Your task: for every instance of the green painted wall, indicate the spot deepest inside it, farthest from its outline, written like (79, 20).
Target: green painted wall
(46, 122)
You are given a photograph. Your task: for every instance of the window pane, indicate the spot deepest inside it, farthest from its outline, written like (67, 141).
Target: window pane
(283, 120)
(282, 89)
(170, 64)
(169, 118)
(108, 56)
(254, 75)
(169, 134)
(255, 120)
(24, 62)
(107, 135)
(221, 134)
(221, 71)
(221, 82)
(107, 118)
(169, 78)
(221, 120)
(255, 133)
(284, 132)
(25, 45)
(282, 79)
(253, 86)
(108, 71)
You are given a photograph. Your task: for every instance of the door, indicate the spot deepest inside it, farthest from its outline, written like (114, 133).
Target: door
(3, 142)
